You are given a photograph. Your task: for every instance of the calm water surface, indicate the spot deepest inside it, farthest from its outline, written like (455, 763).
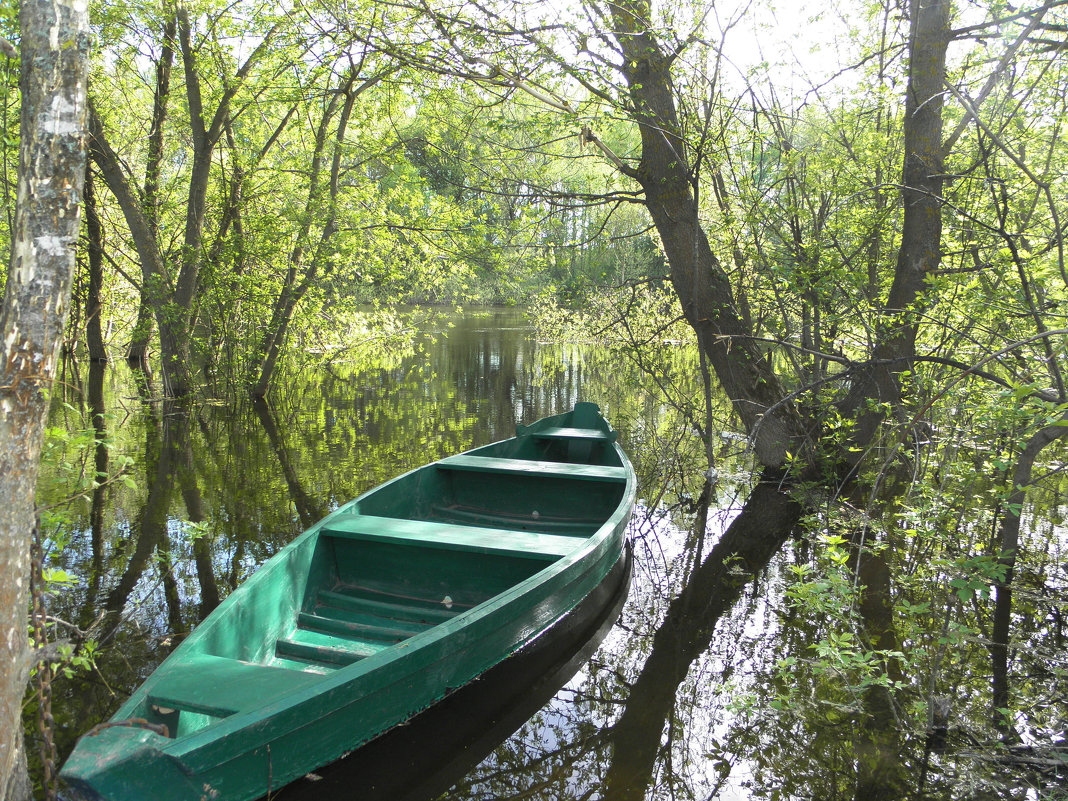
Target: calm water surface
(673, 705)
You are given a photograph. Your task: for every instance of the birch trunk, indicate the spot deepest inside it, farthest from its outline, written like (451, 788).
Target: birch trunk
(55, 45)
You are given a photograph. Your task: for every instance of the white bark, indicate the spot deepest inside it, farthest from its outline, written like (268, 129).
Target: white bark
(54, 54)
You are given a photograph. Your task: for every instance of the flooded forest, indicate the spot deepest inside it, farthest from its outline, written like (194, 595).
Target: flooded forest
(808, 262)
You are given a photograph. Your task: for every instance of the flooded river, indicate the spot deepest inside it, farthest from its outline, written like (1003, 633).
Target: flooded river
(699, 688)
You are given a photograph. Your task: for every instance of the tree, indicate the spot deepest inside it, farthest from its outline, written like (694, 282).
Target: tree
(172, 280)
(54, 56)
(863, 433)
(304, 268)
(634, 75)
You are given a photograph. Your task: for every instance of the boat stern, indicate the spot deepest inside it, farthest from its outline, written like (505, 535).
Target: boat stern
(126, 762)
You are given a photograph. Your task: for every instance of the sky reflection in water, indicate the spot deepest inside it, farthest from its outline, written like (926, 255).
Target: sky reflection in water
(674, 703)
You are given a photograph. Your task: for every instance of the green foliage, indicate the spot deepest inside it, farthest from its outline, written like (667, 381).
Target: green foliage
(69, 476)
(452, 191)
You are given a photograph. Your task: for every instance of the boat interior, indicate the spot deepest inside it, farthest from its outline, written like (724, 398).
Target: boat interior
(414, 553)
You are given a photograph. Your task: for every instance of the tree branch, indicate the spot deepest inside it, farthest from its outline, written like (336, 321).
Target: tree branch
(992, 81)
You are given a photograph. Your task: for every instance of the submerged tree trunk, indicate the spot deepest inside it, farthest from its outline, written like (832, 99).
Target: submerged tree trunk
(194, 508)
(54, 55)
(878, 739)
(171, 596)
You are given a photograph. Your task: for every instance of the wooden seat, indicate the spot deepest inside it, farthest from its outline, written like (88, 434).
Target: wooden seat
(529, 467)
(369, 628)
(382, 608)
(218, 686)
(561, 432)
(568, 525)
(319, 648)
(528, 544)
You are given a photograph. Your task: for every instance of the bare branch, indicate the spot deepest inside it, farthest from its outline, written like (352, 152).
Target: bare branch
(992, 81)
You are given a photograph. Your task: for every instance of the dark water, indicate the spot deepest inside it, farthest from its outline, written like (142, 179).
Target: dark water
(691, 695)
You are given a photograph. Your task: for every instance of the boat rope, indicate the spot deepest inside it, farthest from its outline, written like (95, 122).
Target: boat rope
(132, 723)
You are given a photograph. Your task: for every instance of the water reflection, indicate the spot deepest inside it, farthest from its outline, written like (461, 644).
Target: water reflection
(97, 412)
(167, 452)
(221, 488)
(710, 590)
(684, 697)
(308, 508)
(645, 719)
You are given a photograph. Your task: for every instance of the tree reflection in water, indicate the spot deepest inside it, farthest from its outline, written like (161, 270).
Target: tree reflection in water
(712, 588)
(703, 690)
(616, 733)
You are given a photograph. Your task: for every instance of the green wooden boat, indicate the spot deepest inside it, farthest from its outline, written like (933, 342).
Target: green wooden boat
(372, 615)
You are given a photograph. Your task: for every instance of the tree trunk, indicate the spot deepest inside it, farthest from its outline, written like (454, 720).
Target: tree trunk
(93, 305)
(703, 287)
(137, 350)
(921, 233)
(159, 119)
(271, 346)
(142, 332)
(154, 275)
(55, 46)
(877, 740)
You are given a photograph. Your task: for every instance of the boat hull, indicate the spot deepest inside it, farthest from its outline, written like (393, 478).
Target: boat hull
(246, 722)
(430, 753)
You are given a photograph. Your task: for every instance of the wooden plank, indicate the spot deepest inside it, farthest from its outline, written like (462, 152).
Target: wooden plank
(561, 432)
(546, 523)
(313, 646)
(444, 535)
(382, 630)
(353, 601)
(532, 468)
(217, 686)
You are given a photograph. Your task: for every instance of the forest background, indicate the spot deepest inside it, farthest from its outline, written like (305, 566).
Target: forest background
(867, 256)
